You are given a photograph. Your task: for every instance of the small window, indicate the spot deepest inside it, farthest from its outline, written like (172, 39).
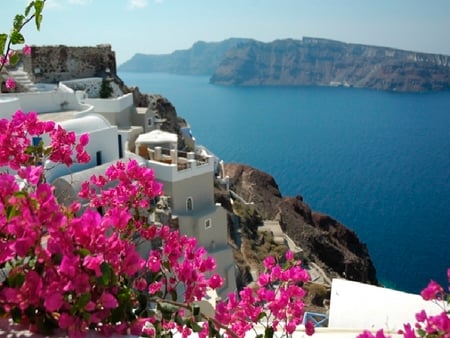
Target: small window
(98, 156)
(36, 140)
(149, 121)
(208, 223)
(189, 204)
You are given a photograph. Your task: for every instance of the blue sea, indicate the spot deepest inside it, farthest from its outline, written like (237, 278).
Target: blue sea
(379, 162)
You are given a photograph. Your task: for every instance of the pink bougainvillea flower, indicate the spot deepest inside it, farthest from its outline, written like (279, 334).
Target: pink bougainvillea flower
(109, 301)
(309, 328)
(215, 281)
(10, 83)
(3, 60)
(26, 50)
(53, 301)
(94, 263)
(32, 174)
(432, 291)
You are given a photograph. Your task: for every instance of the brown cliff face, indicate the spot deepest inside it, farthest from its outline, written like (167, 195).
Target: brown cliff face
(324, 240)
(322, 62)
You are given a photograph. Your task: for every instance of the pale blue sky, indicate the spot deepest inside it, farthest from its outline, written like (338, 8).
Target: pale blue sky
(162, 26)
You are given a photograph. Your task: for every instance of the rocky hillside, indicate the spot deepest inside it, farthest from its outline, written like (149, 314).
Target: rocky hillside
(201, 59)
(321, 62)
(325, 241)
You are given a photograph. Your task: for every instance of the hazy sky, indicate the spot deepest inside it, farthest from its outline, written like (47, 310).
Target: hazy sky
(162, 26)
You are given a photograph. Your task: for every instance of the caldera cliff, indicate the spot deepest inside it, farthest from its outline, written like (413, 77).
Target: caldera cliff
(323, 62)
(323, 240)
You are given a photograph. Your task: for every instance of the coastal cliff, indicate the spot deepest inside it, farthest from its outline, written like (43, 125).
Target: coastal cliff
(322, 62)
(323, 240)
(306, 62)
(201, 59)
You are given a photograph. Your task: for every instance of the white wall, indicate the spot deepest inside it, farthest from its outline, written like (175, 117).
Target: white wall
(104, 140)
(47, 102)
(8, 106)
(113, 105)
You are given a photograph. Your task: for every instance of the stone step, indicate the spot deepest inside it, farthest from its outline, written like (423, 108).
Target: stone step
(22, 78)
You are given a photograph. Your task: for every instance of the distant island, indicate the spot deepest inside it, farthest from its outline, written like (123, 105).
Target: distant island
(306, 62)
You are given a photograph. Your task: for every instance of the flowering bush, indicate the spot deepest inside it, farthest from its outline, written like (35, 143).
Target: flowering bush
(9, 56)
(74, 268)
(276, 302)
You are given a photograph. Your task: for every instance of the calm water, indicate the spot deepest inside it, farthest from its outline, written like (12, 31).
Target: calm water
(378, 162)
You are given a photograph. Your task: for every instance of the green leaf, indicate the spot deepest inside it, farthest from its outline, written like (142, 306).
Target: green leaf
(261, 316)
(28, 8)
(14, 59)
(167, 310)
(18, 22)
(3, 39)
(173, 294)
(17, 280)
(106, 273)
(421, 332)
(16, 315)
(179, 320)
(38, 7)
(83, 300)
(11, 212)
(83, 252)
(194, 326)
(16, 38)
(38, 20)
(142, 299)
(268, 332)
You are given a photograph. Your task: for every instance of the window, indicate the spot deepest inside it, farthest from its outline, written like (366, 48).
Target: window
(98, 155)
(208, 223)
(36, 140)
(189, 204)
(149, 121)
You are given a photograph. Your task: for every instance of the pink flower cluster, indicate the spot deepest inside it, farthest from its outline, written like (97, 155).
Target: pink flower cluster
(429, 326)
(79, 272)
(17, 149)
(276, 301)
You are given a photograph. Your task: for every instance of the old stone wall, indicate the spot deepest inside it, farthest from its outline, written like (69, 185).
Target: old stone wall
(51, 64)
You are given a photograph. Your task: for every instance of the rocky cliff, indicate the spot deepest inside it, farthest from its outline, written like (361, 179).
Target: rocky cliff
(201, 59)
(321, 62)
(324, 241)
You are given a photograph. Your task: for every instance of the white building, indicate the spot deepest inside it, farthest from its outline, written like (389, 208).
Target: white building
(188, 178)
(188, 181)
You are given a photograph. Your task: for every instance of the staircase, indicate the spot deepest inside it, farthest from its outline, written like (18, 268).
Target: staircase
(22, 79)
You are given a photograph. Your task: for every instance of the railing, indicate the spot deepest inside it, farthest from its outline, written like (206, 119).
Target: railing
(183, 159)
(318, 319)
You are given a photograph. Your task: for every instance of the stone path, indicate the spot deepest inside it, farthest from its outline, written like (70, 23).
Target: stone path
(317, 274)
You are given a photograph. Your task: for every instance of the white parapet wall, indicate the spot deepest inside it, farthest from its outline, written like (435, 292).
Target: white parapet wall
(112, 105)
(8, 106)
(61, 98)
(171, 173)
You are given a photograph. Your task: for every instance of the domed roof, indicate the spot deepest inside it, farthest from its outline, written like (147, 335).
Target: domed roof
(86, 123)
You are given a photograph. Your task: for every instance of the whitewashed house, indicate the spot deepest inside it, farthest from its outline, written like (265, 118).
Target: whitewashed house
(188, 178)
